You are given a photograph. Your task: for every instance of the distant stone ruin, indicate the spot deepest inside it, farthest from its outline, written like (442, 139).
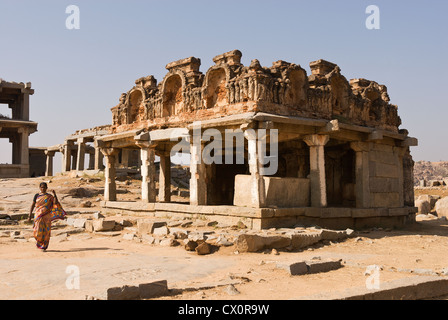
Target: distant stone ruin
(17, 128)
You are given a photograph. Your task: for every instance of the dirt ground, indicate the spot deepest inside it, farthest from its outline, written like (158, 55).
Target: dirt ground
(105, 261)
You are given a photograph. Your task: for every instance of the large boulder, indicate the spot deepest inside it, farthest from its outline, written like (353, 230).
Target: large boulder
(432, 199)
(442, 207)
(424, 207)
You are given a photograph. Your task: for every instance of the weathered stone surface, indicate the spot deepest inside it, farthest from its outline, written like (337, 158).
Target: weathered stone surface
(103, 225)
(153, 290)
(98, 215)
(231, 290)
(423, 206)
(310, 267)
(203, 249)
(191, 245)
(79, 223)
(161, 231)
(255, 242)
(333, 235)
(89, 226)
(294, 269)
(168, 243)
(146, 226)
(303, 240)
(148, 238)
(180, 234)
(128, 236)
(123, 293)
(318, 266)
(441, 207)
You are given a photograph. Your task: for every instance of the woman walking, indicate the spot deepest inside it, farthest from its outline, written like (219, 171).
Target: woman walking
(47, 209)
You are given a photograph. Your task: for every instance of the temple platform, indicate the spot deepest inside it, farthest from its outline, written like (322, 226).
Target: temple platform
(265, 218)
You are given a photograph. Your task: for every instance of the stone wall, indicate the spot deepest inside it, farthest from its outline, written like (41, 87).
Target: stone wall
(279, 192)
(384, 176)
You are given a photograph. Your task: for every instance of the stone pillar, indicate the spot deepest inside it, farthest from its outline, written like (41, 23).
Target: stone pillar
(125, 158)
(67, 159)
(148, 171)
(14, 140)
(25, 106)
(257, 187)
(74, 160)
(399, 152)
(49, 167)
(316, 143)
(362, 171)
(110, 188)
(80, 161)
(198, 185)
(91, 160)
(98, 159)
(165, 177)
(24, 146)
(62, 151)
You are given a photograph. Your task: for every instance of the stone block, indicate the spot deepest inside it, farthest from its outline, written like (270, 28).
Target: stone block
(70, 221)
(379, 184)
(294, 269)
(254, 243)
(310, 267)
(318, 266)
(148, 238)
(161, 231)
(98, 215)
(146, 226)
(168, 243)
(191, 245)
(128, 236)
(281, 192)
(383, 157)
(378, 169)
(123, 293)
(89, 226)
(203, 249)
(385, 200)
(333, 235)
(382, 147)
(302, 240)
(80, 223)
(103, 225)
(153, 289)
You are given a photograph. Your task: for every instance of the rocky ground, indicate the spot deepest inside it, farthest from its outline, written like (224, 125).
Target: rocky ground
(198, 259)
(430, 171)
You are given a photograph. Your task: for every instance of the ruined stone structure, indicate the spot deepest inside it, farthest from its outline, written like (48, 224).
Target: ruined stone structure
(74, 151)
(17, 128)
(342, 159)
(82, 143)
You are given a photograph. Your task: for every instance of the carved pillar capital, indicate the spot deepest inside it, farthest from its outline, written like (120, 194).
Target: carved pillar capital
(316, 140)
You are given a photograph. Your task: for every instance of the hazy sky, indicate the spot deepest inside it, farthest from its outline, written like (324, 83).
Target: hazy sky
(78, 75)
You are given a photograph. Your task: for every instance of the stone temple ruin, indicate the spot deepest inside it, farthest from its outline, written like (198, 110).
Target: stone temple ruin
(342, 159)
(17, 128)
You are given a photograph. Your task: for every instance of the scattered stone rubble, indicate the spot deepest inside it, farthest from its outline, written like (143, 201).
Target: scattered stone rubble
(205, 237)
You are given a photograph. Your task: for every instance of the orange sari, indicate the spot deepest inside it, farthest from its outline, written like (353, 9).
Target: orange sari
(46, 211)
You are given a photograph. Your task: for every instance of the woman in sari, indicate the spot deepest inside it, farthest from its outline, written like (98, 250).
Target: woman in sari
(47, 209)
